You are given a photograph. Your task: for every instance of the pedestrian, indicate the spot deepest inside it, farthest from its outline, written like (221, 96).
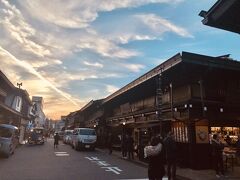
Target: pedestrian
(228, 140)
(124, 145)
(217, 155)
(155, 156)
(110, 142)
(171, 155)
(130, 146)
(56, 139)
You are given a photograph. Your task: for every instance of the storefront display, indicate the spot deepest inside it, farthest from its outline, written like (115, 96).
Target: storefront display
(232, 132)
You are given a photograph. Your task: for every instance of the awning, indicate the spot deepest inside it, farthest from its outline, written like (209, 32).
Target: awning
(147, 125)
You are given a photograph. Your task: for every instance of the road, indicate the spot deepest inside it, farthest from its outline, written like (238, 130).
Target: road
(42, 162)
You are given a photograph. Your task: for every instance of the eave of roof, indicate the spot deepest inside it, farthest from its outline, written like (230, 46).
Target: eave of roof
(150, 74)
(91, 103)
(224, 14)
(186, 57)
(6, 79)
(216, 62)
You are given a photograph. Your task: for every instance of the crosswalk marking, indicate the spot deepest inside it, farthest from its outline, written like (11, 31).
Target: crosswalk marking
(61, 154)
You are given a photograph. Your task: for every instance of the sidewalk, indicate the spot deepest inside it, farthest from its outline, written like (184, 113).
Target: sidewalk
(186, 173)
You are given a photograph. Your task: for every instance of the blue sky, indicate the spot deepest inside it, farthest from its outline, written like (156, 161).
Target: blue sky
(70, 52)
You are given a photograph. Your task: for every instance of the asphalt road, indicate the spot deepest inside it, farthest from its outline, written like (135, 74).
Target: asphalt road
(42, 162)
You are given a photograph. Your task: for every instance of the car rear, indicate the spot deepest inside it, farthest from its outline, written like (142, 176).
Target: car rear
(87, 138)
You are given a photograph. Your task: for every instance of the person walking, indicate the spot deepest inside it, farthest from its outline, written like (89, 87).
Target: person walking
(56, 140)
(130, 146)
(110, 142)
(217, 155)
(154, 154)
(171, 155)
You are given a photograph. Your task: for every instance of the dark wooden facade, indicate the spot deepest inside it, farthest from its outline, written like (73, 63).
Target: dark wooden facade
(7, 94)
(188, 94)
(198, 92)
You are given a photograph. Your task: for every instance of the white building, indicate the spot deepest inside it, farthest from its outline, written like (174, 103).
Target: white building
(40, 117)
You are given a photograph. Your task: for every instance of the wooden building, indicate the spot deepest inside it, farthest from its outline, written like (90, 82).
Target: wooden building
(9, 111)
(15, 106)
(189, 94)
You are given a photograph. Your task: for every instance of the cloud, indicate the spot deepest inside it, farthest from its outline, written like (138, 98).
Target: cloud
(75, 14)
(105, 47)
(141, 27)
(93, 64)
(134, 67)
(111, 89)
(159, 25)
(124, 39)
(13, 22)
(53, 46)
(30, 69)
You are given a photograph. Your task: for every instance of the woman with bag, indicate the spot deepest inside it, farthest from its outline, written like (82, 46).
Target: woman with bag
(154, 153)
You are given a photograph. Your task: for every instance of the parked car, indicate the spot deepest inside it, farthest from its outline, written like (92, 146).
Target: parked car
(9, 139)
(67, 137)
(84, 138)
(36, 136)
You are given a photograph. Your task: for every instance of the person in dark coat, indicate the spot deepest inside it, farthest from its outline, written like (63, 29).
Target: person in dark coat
(228, 140)
(217, 155)
(171, 155)
(56, 139)
(130, 146)
(154, 153)
(110, 142)
(124, 146)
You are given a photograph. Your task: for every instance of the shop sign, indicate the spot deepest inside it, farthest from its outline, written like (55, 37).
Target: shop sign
(202, 135)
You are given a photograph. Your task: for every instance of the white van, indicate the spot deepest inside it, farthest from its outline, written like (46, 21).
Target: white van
(84, 138)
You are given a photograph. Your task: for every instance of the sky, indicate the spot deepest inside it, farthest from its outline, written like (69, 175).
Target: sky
(71, 52)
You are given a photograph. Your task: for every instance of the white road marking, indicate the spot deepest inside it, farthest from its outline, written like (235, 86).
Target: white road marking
(115, 170)
(61, 154)
(106, 165)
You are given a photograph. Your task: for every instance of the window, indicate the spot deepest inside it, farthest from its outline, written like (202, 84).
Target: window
(4, 132)
(87, 132)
